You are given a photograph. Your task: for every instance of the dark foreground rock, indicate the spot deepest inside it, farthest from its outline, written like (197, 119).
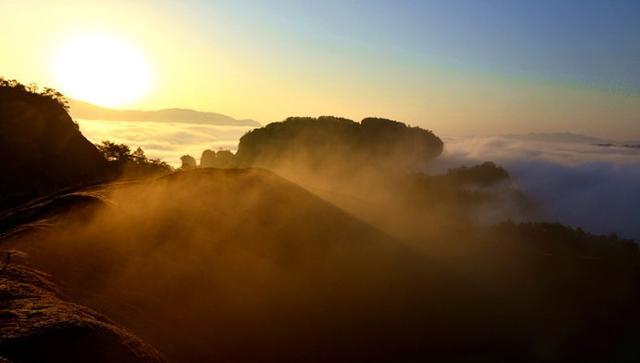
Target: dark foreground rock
(36, 325)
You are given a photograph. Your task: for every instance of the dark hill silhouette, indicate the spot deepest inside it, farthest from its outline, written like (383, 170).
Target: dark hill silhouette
(85, 110)
(331, 141)
(131, 164)
(41, 148)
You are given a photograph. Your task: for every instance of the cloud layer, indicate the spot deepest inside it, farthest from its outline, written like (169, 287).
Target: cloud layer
(577, 183)
(167, 141)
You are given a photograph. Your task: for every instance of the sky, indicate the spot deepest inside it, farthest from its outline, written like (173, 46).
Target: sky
(458, 67)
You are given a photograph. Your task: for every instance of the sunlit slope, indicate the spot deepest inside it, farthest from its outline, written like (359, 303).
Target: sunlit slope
(242, 265)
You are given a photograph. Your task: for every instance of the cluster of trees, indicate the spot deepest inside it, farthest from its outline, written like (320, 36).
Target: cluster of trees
(464, 188)
(10, 88)
(131, 161)
(560, 240)
(485, 174)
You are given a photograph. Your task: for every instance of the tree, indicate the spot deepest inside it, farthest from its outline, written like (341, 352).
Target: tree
(138, 156)
(11, 87)
(133, 162)
(116, 152)
(159, 163)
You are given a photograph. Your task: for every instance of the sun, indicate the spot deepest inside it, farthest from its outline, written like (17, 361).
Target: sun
(101, 69)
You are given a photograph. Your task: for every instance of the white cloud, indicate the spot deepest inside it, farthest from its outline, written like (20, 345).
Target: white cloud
(576, 183)
(167, 141)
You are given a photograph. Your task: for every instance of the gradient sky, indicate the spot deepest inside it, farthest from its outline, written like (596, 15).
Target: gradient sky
(459, 67)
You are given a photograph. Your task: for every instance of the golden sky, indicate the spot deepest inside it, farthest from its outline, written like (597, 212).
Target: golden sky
(269, 60)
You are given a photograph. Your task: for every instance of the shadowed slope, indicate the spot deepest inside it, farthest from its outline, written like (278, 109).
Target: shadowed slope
(41, 148)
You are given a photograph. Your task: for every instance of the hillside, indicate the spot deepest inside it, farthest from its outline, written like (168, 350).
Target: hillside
(237, 258)
(41, 148)
(88, 111)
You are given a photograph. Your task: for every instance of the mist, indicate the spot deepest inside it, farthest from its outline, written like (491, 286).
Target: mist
(209, 263)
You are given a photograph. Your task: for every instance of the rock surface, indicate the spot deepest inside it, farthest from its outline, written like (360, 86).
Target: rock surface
(36, 325)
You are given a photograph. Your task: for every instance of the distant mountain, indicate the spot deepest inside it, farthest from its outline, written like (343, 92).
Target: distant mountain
(561, 137)
(85, 110)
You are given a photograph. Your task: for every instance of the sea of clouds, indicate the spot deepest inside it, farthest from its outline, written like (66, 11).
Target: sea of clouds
(165, 140)
(573, 180)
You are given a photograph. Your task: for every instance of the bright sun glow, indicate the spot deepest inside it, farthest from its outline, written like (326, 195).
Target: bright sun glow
(102, 70)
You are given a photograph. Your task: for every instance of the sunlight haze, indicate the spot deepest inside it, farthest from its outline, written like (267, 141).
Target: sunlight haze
(102, 70)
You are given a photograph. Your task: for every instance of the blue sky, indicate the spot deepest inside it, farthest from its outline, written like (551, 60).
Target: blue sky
(590, 42)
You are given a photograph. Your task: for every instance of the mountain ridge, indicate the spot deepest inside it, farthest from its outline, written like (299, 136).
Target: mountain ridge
(89, 111)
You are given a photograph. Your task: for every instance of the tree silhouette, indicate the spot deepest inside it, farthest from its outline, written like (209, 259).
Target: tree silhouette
(116, 152)
(15, 89)
(138, 156)
(134, 162)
